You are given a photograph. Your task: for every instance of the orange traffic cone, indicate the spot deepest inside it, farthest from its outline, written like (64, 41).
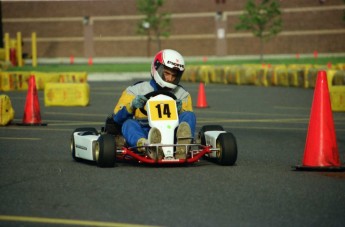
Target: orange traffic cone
(71, 59)
(321, 150)
(32, 114)
(202, 103)
(90, 62)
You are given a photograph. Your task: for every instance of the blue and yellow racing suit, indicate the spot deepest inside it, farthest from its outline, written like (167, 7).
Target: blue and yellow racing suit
(134, 123)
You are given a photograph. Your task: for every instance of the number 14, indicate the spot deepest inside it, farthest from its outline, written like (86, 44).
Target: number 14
(164, 111)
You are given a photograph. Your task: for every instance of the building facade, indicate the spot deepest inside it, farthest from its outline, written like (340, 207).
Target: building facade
(108, 28)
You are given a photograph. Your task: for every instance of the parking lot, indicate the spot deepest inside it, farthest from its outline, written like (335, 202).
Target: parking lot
(41, 184)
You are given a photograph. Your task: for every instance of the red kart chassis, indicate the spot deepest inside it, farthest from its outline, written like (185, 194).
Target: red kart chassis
(107, 149)
(193, 155)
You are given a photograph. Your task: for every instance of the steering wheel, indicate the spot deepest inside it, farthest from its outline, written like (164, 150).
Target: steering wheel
(155, 93)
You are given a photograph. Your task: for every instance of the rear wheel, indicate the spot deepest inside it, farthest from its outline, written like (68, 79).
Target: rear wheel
(105, 151)
(227, 153)
(72, 144)
(88, 129)
(73, 149)
(206, 128)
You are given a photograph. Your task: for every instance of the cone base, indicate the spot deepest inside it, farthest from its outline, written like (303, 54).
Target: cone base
(202, 107)
(32, 124)
(321, 168)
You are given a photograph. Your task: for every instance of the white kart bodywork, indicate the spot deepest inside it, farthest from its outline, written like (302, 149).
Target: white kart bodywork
(162, 114)
(85, 145)
(211, 139)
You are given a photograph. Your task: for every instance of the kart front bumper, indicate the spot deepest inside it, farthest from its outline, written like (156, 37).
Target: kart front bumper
(193, 155)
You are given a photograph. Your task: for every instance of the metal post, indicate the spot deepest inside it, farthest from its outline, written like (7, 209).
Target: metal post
(88, 37)
(19, 49)
(221, 42)
(221, 24)
(7, 47)
(34, 49)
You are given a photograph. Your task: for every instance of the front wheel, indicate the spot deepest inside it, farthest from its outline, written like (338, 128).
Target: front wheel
(72, 144)
(105, 151)
(227, 153)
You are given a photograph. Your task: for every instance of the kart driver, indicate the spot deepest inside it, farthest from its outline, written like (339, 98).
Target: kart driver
(166, 72)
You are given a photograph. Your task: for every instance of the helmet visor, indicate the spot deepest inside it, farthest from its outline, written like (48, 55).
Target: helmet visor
(169, 75)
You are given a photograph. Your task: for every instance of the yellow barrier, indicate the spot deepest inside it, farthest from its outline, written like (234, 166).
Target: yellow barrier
(336, 89)
(261, 79)
(248, 75)
(6, 82)
(341, 66)
(310, 77)
(338, 78)
(337, 94)
(2, 54)
(219, 75)
(271, 77)
(186, 74)
(4, 65)
(204, 73)
(43, 78)
(295, 77)
(191, 73)
(10, 81)
(261, 75)
(6, 110)
(282, 77)
(14, 81)
(232, 75)
(320, 67)
(194, 73)
(73, 77)
(66, 94)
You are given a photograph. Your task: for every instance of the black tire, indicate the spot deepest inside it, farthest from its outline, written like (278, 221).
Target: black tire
(227, 154)
(86, 129)
(73, 149)
(206, 128)
(90, 130)
(111, 127)
(105, 151)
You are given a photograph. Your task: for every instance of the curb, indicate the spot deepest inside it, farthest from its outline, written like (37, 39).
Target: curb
(118, 76)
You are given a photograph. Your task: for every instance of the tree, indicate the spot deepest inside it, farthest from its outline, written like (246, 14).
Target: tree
(263, 20)
(155, 24)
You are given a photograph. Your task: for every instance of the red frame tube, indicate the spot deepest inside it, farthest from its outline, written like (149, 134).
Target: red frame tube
(195, 158)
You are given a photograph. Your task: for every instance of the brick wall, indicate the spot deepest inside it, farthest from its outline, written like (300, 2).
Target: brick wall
(308, 26)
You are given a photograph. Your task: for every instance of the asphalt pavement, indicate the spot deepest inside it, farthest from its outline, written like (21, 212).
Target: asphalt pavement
(42, 186)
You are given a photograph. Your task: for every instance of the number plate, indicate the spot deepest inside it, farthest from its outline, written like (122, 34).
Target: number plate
(163, 110)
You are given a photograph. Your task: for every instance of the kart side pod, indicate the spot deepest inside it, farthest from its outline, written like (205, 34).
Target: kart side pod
(88, 144)
(84, 145)
(223, 144)
(211, 139)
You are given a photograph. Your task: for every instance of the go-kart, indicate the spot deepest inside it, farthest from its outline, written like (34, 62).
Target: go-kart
(106, 148)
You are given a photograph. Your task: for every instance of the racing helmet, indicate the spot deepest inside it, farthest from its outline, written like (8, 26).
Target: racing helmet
(170, 59)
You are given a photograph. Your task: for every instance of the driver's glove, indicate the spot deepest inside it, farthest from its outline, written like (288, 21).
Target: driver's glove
(179, 105)
(138, 102)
